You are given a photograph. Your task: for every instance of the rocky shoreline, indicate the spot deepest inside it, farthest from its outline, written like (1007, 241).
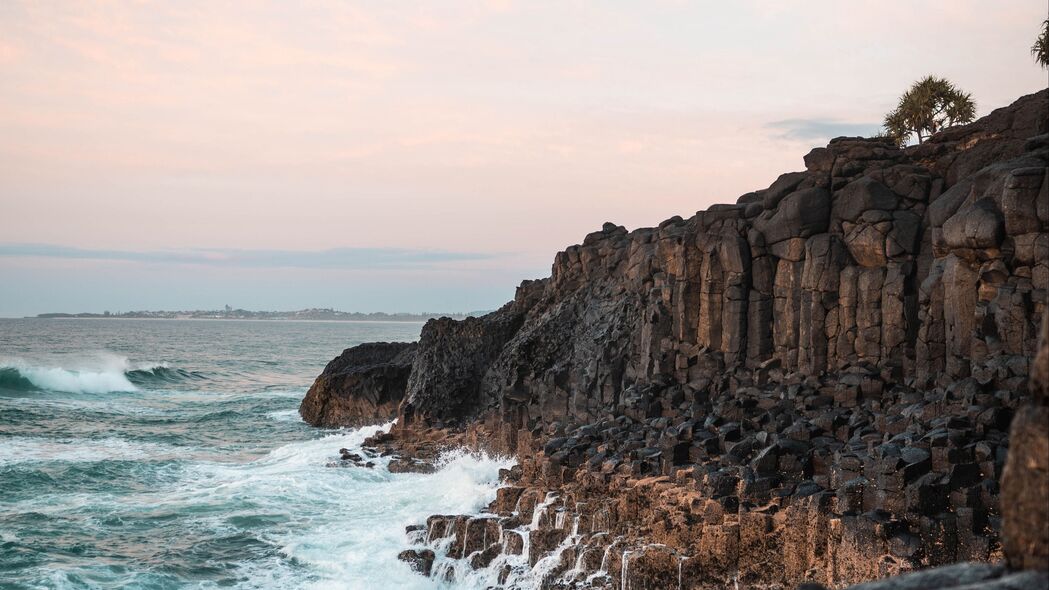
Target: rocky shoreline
(814, 385)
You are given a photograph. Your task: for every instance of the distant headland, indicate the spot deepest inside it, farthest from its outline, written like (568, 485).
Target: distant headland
(228, 313)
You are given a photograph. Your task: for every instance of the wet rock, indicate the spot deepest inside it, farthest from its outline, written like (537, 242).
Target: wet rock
(420, 560)
(962, 574)
(410, 465)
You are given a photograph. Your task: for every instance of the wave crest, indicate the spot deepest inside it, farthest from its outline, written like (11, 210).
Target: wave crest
(12, 379)
(111, 374)
(162, 373)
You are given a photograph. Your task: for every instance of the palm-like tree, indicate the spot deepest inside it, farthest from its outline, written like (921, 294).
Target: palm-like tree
(1040, 49)
(930, 105)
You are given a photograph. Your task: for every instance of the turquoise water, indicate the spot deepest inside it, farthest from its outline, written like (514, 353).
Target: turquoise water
(170, 454)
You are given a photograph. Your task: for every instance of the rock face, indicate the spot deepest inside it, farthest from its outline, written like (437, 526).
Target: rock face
(1025, 482)
(813, 384)
(364, 385)
(452, 360)
(870, 258)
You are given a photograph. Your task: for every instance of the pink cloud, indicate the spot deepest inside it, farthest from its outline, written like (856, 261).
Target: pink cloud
(504, 126)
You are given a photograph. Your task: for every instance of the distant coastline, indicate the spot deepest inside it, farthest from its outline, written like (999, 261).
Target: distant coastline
(314, 314)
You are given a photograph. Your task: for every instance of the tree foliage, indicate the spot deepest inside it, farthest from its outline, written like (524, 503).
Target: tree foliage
(930, 105)
(1040, 49)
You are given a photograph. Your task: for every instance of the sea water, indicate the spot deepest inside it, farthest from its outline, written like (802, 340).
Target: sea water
(170, 454)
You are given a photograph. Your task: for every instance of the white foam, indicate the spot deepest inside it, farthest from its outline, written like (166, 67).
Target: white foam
(291, 415)
(149, 366)
(338, 528)
(346, 524)
(23, 449)
(58, 379)
(521, 573)
(99, 372)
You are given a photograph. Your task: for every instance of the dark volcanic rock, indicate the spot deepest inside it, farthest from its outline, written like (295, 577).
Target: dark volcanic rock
(363, 385)
(962, 574)
(814, 384)
(453, 357)
(1025, 482)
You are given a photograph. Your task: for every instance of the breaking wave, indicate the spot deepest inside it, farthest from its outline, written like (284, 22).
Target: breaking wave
(106, 374)
(162, 373)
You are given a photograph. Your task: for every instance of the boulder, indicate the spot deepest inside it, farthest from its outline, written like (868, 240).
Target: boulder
(799, 215)
(861, 195)
(420, 560)
(979, 226)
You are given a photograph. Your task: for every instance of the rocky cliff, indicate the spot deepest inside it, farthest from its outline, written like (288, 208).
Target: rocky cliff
(364, 385)
(812, 384)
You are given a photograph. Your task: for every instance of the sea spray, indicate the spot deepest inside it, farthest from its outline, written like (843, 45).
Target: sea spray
(86, 372)
(82, 380)
(201, 475)
(456, 573)
(193, 470)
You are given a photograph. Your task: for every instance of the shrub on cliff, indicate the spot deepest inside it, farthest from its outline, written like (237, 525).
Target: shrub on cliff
(930, 105)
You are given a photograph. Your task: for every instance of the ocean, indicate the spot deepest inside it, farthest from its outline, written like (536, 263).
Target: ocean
(170, 454)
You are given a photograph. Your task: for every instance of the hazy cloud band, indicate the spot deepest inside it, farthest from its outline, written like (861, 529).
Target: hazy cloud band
(335, 258)
(822, 129)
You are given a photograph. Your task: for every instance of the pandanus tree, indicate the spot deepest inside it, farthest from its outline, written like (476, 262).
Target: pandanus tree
(1040, 49)
(929, 105)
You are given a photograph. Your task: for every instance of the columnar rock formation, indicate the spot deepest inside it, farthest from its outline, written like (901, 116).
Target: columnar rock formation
(1025, 482)
(813, 383)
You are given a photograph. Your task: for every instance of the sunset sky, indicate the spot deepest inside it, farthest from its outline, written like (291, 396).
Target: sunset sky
(399, 156)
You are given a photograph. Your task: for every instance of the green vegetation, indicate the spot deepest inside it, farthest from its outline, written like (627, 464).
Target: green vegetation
(1040, 49)
(930, 105)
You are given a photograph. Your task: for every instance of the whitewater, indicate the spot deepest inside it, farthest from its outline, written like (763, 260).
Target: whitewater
(169, 454)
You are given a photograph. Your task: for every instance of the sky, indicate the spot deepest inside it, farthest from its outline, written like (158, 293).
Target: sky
(403, 156)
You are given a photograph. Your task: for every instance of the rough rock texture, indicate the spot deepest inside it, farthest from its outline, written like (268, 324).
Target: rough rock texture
(363, 385)
(452, 360)
(1025, 482)
(962, 576)
(813, 384)
(871, 259)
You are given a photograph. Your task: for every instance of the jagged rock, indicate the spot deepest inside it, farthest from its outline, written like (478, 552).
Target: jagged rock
(420, 560)
(812, 384)
(363, 385)
(859, 196)
(962, 574)
(979, 226)
(410, 465)
(799, 215)
(784, 185)
(453, 357)
(1025, 482)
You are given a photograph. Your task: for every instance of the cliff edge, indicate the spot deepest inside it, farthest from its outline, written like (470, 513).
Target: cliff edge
(813, 384)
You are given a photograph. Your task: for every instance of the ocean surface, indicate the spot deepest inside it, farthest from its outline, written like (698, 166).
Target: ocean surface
(170, 454)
